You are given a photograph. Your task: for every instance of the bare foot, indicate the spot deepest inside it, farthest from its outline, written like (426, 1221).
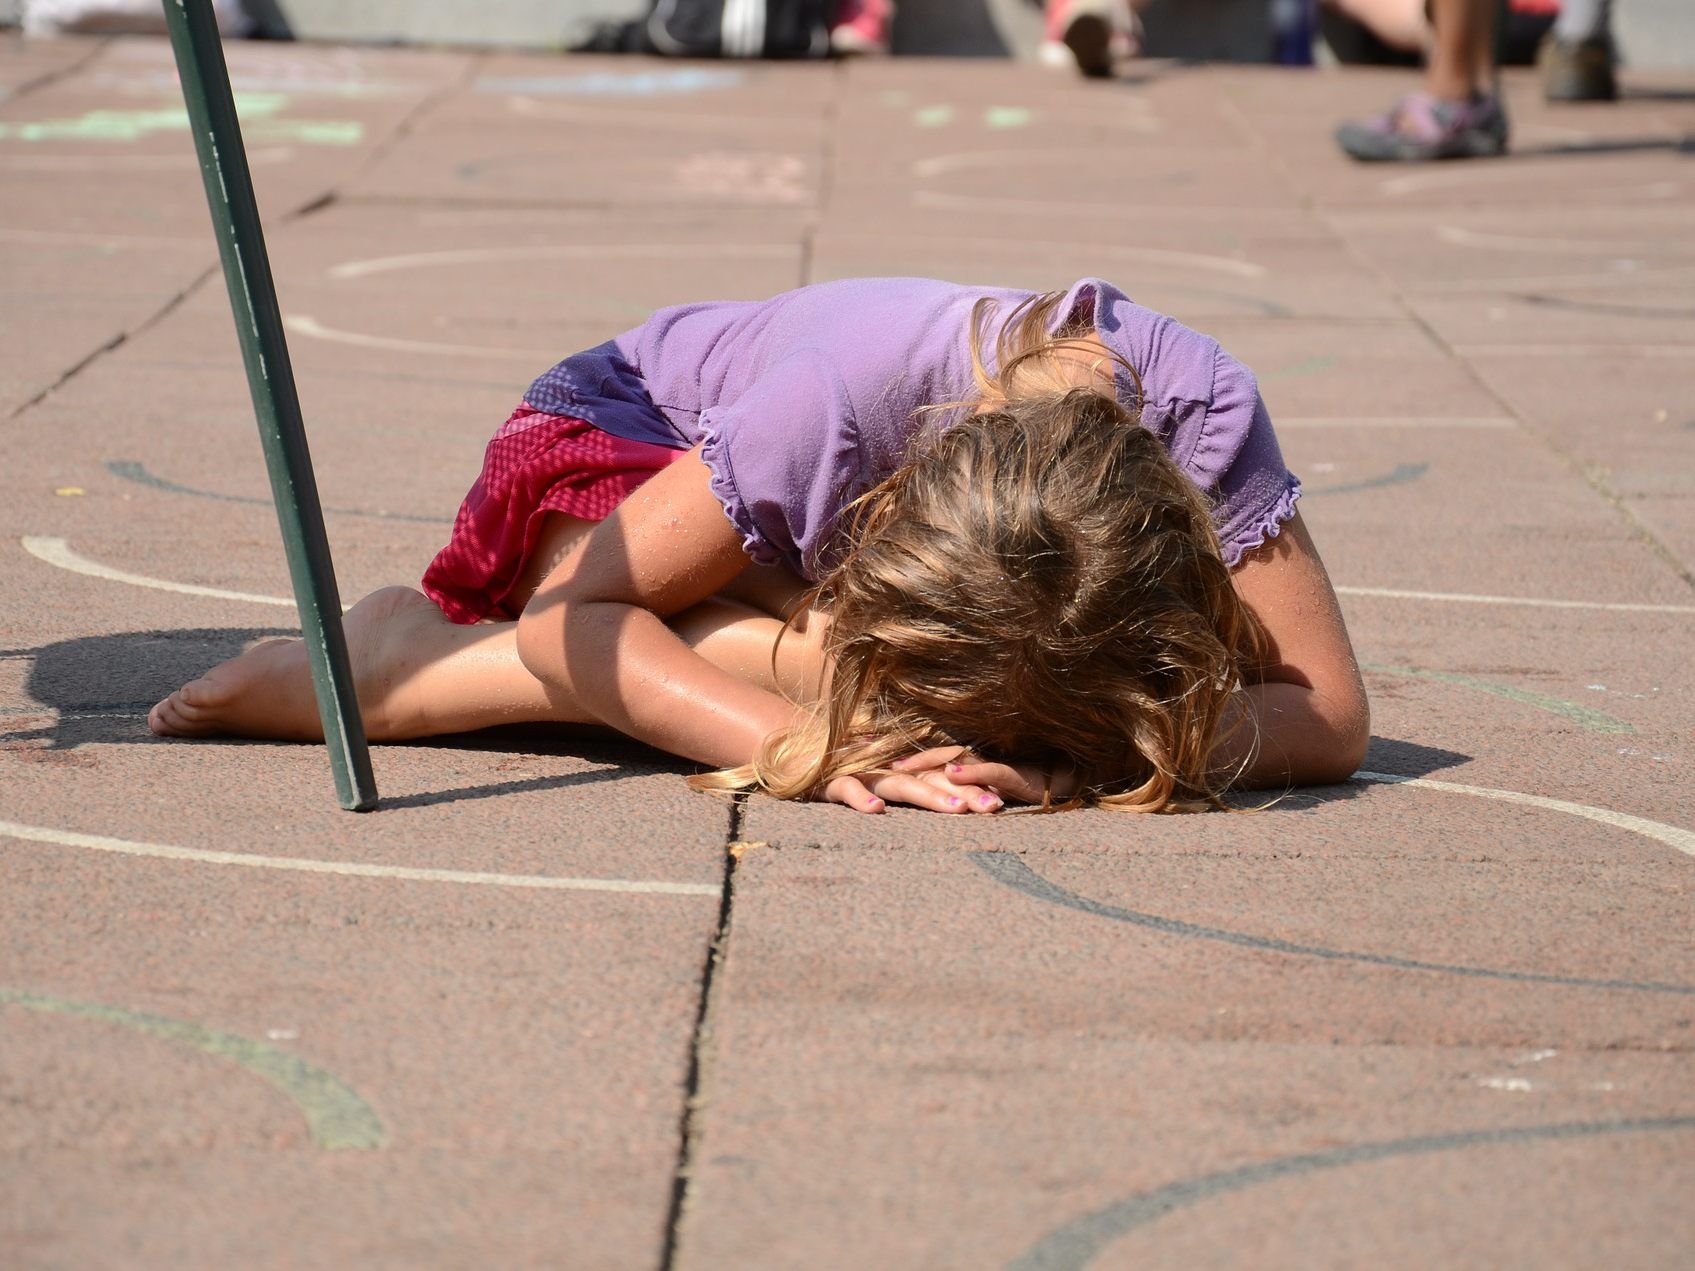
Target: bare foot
(267, 691)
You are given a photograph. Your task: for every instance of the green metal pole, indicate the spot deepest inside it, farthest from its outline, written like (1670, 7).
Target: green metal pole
(270, 379)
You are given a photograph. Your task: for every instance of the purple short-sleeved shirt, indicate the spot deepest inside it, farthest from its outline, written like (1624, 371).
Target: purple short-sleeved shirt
(803, 402)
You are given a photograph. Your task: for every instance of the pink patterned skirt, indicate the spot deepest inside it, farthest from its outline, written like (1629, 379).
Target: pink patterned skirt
(537, 463)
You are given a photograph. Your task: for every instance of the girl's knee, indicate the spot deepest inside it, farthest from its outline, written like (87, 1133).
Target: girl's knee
(541, 640)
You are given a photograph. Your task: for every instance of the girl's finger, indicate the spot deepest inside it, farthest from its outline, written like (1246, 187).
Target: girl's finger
(929, 760)
(937, 796)
(1002, 777)
(977, 798)
(851, 791)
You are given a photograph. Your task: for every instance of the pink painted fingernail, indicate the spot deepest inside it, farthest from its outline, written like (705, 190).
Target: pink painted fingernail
(875, 803)
(953, 801)
(956, 768)
(988, 801)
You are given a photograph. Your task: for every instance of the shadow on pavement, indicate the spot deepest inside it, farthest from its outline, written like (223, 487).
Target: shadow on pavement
(1629, 94)
(1616, 145)
(1409, 759)
(100, 689)
(1401, 758)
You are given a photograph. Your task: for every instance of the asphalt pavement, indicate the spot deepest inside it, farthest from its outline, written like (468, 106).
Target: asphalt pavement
(546, 1007)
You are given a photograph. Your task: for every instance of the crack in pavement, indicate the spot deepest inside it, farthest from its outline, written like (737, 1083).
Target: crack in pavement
(702, 1048)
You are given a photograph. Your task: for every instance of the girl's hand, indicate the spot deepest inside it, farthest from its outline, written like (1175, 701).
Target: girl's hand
(927, 787)
(1021, 782)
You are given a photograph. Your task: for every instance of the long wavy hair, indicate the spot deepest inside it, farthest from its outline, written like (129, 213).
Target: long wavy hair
(1038, 582)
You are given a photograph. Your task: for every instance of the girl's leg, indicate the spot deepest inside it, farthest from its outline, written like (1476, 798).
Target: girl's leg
(419, 675)
(416, 674)
(1462, 56)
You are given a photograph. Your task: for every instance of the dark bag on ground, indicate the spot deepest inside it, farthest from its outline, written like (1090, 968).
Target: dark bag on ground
(719, 28)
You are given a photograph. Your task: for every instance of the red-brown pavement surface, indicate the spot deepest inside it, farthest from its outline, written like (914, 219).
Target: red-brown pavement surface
(548, 1008)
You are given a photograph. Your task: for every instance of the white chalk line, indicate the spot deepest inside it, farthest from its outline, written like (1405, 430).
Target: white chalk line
(965, 160)
(1672, 836)
(1025, 247)
(1574, 350)
(1459, 236)
(1049, 207)
(306, 325)
(350, 869)
(131, 162)
(1404, 421)
(1635, 279)
(555, 251)
(997, 160)
(1033, 207)
(78, 238)
(1539, 602)
(555, 108)
(55, 551)
(1485, 175)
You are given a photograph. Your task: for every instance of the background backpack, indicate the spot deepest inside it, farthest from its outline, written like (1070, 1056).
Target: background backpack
(719, 28)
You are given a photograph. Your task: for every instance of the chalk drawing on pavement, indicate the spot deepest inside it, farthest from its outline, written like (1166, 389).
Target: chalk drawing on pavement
(336, 1116)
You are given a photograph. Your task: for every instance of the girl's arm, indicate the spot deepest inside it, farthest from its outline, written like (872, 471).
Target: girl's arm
(596, 629)
(1306, 721)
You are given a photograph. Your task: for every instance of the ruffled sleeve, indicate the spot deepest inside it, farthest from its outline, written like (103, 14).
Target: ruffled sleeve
(1206, 407)
(1236, 458)
(785, 460)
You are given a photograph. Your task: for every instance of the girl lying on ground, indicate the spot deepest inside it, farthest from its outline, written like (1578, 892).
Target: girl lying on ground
(878, 541)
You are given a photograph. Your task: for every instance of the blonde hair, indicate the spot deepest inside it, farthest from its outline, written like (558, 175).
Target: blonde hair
(1038, 582)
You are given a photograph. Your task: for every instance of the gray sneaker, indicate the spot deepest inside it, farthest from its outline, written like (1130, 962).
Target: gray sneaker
(1420, 127)
(1577, 72)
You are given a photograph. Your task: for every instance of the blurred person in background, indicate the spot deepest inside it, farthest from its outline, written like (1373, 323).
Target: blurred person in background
(119, 17)
(1091, 35)
(861, 28)
(1570, 41)
(1578, 57)
(1458, 112)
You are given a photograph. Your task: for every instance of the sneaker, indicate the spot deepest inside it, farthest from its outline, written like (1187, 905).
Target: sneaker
(1581, 71)
(1420, 127)
(861, 28)
(1080, 33)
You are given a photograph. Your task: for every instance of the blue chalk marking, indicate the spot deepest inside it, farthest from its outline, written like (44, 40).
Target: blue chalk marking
(1011, 871)
(1076, 1244)
(1401, 475)
(668, 83)
(129, 470)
